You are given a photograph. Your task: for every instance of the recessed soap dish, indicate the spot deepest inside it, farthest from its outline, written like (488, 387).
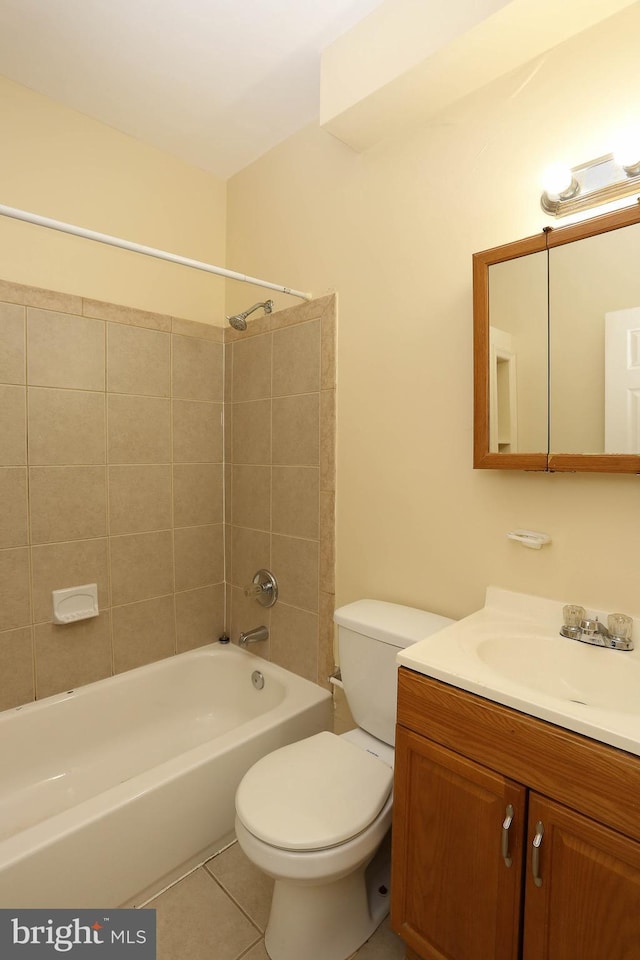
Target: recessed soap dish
(75, 603)
(529, 538)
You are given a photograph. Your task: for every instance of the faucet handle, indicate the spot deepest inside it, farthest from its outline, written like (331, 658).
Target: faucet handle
(263, 588)
(620, 626)
(573, 615)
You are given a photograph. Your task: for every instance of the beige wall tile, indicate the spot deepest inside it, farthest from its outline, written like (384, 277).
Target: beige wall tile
(128, 315)
(12, 343)
(39, 297)
(295, 565)
(303, 312)
(143, 633)
(13, 425)
(294, 640)
(13, 507)
(64, 350)
(141, 567)
(296, 359)
(327, 654)
(139, 498)
(250, 551)
(328, 348)
(199, 616)
(193, 328)
(295, 502)
(228, 479)
(251, 497)
(66, 427)
(139, 429)
(328, 440)
(56, 566)
(199, 555)
(245, 614)
(70, 655)
(138, 361)
(197, 431)
(251, 375)
(197, 494)
(296, 429)
(228, 372)
(15, 609)
(16, 668)
(327, 541)
(67, 503)
(197, 369)
(251, 432)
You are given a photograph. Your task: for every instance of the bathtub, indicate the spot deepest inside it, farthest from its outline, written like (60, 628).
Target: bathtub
(111, 791)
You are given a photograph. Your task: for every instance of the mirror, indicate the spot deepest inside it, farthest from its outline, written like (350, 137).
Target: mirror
(557, 349)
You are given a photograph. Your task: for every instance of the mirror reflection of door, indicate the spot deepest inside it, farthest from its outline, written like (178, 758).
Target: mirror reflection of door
(518, 342)
(589, 279)
(622, 381)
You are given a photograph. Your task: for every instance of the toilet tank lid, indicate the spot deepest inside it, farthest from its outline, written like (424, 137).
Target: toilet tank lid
(391, 623)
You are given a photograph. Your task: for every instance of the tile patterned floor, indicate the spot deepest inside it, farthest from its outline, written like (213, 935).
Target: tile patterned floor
(220, 910)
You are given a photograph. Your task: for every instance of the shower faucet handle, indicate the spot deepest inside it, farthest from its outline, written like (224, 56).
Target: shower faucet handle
(263, 587)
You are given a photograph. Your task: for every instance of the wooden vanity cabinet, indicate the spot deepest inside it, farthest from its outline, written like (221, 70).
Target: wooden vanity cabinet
(462, 764)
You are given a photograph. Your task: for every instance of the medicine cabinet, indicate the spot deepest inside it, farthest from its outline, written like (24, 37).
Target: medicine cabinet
(557, 349)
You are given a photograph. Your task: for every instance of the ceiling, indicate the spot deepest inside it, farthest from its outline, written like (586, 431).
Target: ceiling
(214, 82)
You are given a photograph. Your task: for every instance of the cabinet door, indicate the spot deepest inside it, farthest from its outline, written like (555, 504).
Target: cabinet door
(585, 905)
(453, 896)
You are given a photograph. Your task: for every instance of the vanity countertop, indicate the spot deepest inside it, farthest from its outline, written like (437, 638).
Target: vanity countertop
(511, 652)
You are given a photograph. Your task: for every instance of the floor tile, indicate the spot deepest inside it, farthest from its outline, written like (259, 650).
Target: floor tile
(248, 885)
(383, 945)
(198, 921)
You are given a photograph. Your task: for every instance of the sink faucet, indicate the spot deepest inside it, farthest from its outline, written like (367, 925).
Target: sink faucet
(578, 626)
(253, 636)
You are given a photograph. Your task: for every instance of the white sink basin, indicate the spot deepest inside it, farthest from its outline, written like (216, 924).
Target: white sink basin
(566, 669)
(512, 652)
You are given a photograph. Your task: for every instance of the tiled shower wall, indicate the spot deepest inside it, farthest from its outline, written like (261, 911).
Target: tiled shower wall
(111, 471)
(280, 394)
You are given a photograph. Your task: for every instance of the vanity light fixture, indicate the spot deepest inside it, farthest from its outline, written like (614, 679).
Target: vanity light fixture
(568, 190)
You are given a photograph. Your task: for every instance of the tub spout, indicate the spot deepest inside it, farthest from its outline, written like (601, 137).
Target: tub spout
(252, 636)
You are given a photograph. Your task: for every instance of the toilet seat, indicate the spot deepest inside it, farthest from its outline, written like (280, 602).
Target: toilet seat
(313, 794)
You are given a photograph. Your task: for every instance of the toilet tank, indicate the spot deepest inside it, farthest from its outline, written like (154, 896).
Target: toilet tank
(370, 634)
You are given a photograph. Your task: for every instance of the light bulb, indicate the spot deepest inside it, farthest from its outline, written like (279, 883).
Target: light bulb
(627, 152)
(557, 179)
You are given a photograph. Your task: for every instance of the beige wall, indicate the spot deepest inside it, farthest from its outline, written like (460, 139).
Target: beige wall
(59, 163)
(111, 449)
(393, 230)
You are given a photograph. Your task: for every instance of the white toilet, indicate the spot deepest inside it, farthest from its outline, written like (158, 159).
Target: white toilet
(316, 815)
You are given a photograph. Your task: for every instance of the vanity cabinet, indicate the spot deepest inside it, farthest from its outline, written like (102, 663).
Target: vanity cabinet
(475, 783)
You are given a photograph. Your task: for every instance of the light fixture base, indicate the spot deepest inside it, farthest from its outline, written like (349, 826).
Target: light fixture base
(597, 182)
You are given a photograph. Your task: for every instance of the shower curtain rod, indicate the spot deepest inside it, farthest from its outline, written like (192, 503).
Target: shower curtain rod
(140, 248)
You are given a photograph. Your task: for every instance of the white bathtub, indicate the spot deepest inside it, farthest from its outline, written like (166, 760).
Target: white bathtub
(112, 790)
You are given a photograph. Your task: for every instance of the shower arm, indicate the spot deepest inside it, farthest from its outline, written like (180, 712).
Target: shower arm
(267, 306)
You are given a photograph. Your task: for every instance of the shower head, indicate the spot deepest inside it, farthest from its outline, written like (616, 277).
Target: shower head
(239, 320)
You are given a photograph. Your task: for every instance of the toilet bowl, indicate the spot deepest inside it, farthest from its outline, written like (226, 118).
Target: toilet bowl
(316, 815)
(313, 816)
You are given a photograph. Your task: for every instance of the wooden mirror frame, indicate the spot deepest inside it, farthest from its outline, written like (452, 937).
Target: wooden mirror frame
(568, 462)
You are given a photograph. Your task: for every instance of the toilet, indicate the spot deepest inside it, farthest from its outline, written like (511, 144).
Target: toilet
(316, 815)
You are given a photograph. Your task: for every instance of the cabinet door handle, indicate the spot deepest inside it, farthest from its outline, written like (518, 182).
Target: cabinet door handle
(535, 853)
(506, 823)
